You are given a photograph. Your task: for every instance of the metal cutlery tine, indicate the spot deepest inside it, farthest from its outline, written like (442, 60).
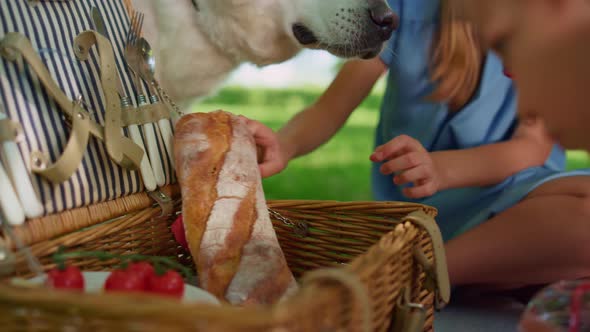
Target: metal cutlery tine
(131, 54)
(133, 59)
(134, 28)
(140, 29)
(131, 30)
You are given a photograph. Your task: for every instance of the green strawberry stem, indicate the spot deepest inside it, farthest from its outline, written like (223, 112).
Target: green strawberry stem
(159, 262)
(61, 263)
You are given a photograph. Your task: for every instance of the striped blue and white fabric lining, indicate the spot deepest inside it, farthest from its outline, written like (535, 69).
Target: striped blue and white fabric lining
(52, 26)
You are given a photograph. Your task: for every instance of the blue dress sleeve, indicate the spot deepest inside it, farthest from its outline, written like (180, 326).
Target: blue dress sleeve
(413, 14)
(388, 52)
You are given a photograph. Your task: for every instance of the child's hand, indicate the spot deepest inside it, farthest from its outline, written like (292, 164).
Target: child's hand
(412, 163)
(271, 159)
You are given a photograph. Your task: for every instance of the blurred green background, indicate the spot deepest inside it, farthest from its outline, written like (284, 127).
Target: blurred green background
(339, 170)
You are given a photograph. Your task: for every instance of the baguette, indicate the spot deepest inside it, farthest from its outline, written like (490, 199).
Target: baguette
(226, 220)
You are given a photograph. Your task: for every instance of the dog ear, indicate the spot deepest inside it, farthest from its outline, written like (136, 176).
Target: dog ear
(195, 4)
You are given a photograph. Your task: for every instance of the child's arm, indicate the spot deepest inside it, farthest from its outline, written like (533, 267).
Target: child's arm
(318, 123)
(493, 163)
(481, 166)
(312, 127)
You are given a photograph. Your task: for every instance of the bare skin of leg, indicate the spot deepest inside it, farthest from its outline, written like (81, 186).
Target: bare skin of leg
(542, 239)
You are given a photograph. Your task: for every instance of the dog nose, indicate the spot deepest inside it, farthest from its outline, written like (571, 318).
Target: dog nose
(385, 19)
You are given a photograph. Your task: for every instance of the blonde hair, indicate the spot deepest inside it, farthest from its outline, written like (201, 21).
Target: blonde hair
(456, 59)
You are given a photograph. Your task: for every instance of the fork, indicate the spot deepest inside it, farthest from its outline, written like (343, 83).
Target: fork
(133, 60)
(146, 172)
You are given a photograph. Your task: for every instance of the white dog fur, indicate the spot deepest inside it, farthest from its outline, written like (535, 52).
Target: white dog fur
(196, 49)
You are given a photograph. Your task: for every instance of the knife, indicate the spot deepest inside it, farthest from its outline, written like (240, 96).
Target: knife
(147, 174)
(9, 204)
(15, 167)
(101, 28)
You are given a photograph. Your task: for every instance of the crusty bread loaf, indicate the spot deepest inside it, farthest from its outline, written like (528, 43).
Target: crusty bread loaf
(225, 216)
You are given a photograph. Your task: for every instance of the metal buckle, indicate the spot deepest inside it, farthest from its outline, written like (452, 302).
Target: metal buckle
(300, 228)
(164, 201)
(408, 316)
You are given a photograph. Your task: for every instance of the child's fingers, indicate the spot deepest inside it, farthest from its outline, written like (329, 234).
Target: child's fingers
(272, 161)
(270, 158)
(270, 168)
(421, 172)
(399, 144)
(425, 189)
(403, 162)
(262, 134)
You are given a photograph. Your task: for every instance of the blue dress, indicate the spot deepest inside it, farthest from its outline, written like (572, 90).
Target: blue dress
(490, 117)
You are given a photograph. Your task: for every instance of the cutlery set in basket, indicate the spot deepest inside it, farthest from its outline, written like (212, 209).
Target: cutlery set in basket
(86, 164)
(95, 84)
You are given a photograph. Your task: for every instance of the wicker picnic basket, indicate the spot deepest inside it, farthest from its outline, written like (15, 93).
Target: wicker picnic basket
(362, 266)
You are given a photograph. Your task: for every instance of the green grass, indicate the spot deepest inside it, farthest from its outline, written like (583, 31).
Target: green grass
(339, 170)
(577, 159)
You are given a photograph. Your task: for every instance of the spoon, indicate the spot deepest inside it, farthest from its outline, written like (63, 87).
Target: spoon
(147, 68)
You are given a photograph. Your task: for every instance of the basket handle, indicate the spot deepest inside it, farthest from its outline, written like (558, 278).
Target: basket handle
(437, 274)
(352, 283)
(128, 154)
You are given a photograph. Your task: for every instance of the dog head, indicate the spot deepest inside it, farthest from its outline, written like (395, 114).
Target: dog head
(270, 31)
(346, 28)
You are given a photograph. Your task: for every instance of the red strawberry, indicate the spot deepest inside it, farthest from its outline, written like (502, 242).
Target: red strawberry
(178, 231)
(169, 284)
(125, 281)
(144, 269)
(67, 278)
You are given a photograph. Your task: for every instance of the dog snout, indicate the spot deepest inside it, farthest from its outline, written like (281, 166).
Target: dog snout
(385, 19)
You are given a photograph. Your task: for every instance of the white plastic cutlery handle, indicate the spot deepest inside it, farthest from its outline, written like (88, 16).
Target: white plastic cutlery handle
(168, 137)
(9, 204)
(146, 170)
(155, 158)
(22, 182)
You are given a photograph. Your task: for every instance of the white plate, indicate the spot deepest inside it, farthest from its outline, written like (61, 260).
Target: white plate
(94, 282)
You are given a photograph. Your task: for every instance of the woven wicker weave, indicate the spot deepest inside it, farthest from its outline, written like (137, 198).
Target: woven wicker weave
(354, 262)
(344, 243)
